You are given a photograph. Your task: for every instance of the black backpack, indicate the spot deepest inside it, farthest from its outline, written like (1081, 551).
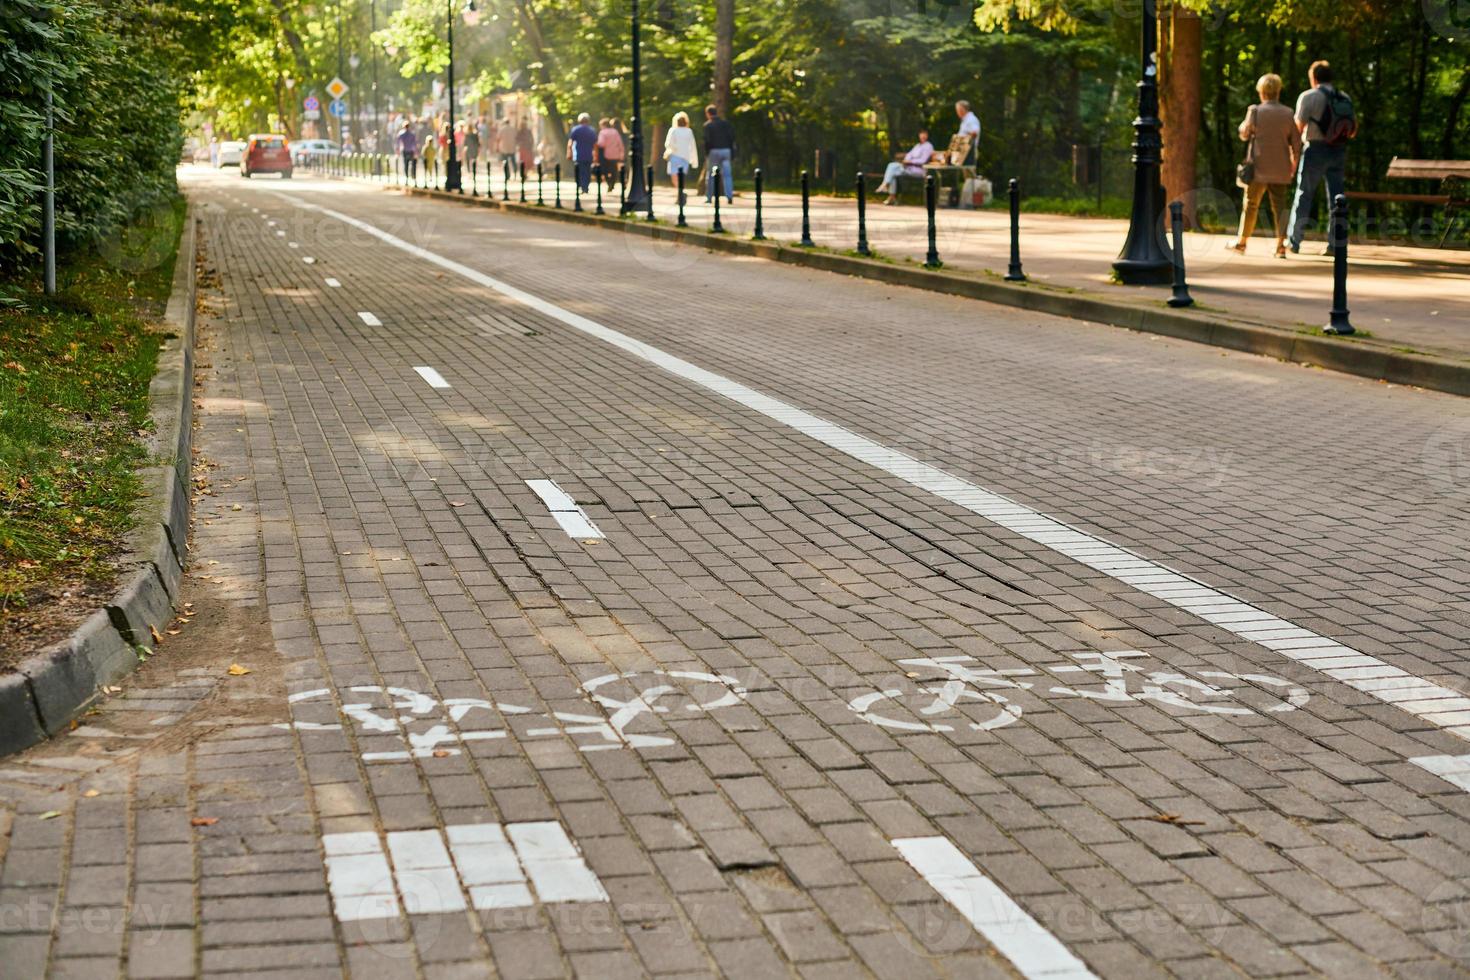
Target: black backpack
(1339, 122)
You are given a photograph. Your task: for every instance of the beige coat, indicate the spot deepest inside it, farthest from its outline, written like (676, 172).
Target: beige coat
(1278, 141)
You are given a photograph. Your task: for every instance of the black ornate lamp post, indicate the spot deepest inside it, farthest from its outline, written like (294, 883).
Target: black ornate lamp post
(378, 142)
(1143, 261)
(636, 199)
(452, 180)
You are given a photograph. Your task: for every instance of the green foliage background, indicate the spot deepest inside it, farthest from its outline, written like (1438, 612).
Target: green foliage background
(118, 71)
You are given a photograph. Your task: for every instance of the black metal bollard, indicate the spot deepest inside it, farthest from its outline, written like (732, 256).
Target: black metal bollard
(1014, 273)
(597, 178)
(523, 183)
(806, 212)
(1181, 295)
(558, 185)
(576, 192)
(505, 188)
(474, 177)
(540, 201)
(1337, 236)
(862, 205)
(679, 178)
(760, 228)
(622, 188)
(931, 200)
(648, 182)
(714, 176)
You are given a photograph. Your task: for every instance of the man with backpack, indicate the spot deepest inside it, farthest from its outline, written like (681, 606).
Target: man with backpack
(1327, 121)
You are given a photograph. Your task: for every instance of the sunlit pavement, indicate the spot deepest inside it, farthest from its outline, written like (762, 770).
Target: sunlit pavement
(617, 608)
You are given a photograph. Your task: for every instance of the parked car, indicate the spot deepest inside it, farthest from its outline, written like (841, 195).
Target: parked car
(231, 152)
(302, 151)
(267, 153)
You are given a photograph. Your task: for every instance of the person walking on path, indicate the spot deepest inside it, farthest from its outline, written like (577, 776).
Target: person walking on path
(911, 163)
(609, 151)
(581, 142)
(719, 151)
(505, 142)
(1327, 121)
(472, 150)
(1275, 145)
(525, 145)
(969, 126)
(681, 150)
(430, 155)
(408, 148)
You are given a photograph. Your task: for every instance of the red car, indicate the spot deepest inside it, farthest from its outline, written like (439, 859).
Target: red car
(266, 153)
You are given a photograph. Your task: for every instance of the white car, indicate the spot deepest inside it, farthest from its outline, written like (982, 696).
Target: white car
(302, 151)
(231, 152)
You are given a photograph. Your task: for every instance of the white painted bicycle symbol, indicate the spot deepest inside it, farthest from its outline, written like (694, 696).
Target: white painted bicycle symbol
(954, 684)
(429, 727)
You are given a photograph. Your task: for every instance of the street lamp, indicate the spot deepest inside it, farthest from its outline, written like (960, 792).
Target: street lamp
(378, 144)
(637, 198)
(452, 180)
(1143, 261)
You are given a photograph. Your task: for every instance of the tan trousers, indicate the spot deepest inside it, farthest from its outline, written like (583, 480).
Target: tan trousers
(1253, 195)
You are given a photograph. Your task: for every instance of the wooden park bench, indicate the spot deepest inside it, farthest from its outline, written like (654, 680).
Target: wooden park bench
(1454, 177)
(950, 163)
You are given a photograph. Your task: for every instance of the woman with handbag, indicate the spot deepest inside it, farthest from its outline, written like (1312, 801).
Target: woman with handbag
(1274, 144)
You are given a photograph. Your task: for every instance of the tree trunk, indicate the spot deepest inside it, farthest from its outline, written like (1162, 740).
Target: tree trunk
(1181, 48)
(724, 54)
(1452, 117)
(531, 25)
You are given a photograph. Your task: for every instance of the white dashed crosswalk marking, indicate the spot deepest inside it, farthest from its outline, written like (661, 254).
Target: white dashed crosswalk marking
(564, 509)
(510, 866)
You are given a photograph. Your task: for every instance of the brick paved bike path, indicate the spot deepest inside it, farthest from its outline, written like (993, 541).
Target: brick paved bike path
(757, 584)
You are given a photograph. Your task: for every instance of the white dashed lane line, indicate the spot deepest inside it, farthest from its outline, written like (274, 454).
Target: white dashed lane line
(434, 378)
(572, 518)
(1432, 703)
(371, 319)
(333, 283)
(1035, 953)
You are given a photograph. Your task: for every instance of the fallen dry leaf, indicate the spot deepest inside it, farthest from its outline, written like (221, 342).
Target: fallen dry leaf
(441, 753)
(49, 815)
(1175, 819)
(456, 503)
(92, 792)
(157, 636)
(237, 671)
(237, 507)
(204, 821)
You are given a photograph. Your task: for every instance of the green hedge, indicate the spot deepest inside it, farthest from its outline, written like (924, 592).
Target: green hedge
(117, 89)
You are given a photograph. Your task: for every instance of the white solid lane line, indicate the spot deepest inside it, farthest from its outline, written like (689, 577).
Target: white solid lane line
(333, 283)
(1335, 660)
(434, 378)
(370, 319)
(573, 519)
(1035, 953)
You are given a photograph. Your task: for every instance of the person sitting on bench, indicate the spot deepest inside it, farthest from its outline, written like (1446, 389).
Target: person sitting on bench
(911, 164)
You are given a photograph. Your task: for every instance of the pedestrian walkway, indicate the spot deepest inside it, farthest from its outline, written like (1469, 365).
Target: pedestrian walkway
(574, 605)
(1416, 298)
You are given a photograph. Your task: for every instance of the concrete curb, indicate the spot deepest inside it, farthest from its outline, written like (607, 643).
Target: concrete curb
(49, 689)
(1364, 358)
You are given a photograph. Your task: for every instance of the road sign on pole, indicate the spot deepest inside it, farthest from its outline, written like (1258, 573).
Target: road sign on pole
(312, 115)
(310, 104)
(336, 88)
(337, 108)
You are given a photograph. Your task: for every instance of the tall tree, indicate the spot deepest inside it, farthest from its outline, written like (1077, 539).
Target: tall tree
(724, 53)
(1181, 46)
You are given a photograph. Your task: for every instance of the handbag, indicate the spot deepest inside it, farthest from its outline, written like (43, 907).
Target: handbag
(1245, 172)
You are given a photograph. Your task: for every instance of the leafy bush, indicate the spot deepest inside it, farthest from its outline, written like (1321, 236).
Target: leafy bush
(117, 89)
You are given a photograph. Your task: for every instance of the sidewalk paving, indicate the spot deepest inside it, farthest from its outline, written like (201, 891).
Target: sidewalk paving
(1410, 297)
(448, 758)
